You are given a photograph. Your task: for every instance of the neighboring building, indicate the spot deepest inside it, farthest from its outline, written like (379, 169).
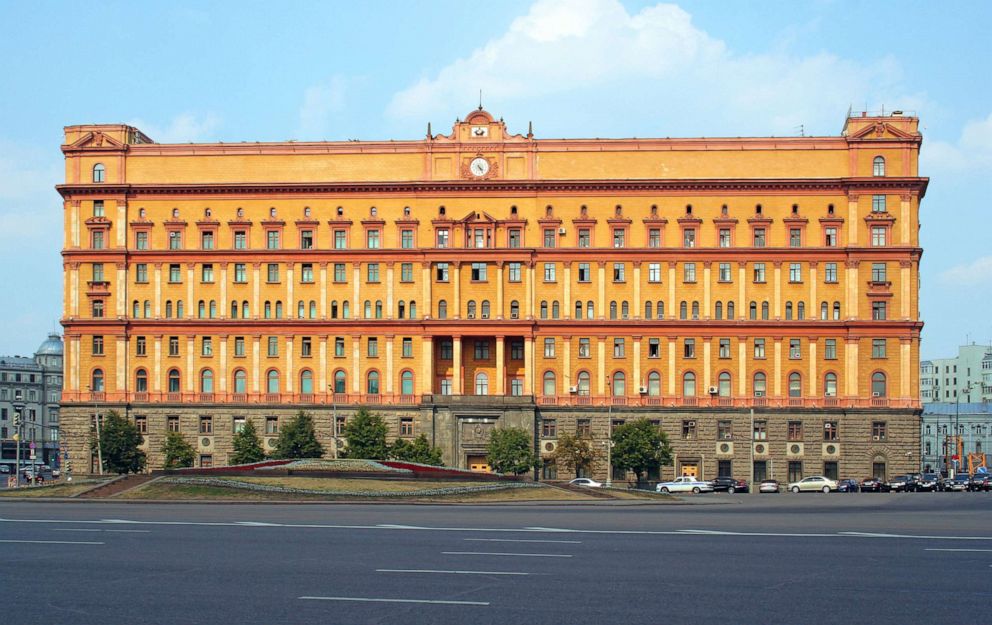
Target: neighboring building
(974, 426)
(467, 281)
(970, 374)
(37, 382)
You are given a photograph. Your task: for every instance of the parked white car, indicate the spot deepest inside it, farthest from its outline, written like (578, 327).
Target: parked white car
(815, 483)
(587, 482)
(684, 484)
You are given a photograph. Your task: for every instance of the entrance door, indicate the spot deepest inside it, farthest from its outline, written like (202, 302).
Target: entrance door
(690, 469)
(480, 464)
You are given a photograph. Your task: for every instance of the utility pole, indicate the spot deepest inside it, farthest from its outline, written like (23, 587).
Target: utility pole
(750, 437)
(18, 409)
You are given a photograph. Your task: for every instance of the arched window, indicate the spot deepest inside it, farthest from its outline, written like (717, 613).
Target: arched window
(340, 379)
(179, 309)
(240, 381)
(313, 309)
(544, 310)
(334, 310)
(619, 384)
(878, 384)
(234, 310)
(683, 310)
(173, 386)
(689, 384)
(97, 385)
(590, 310)
(168, 309)
(306, 381)
(759, 385)
(764, 311)
(718, 310)
(795, 384)
(801, 311)
(272, 381)
(245, 310)
(583, 383)
(372, 383)
(442, 309)
(135, 309)
(836, 311)
(730, 311)
(279, 310)
(877, 166)
(471, 307)
(830, 385)
(206, 381)
(346, 309)
(301, 310)
(141, 381)
(695, 310)
(413, 310)
(788, 311)
(660, 309)
(401, 310)
(378, 309)
(723, 384)
(613, 310)
(624, 310)
(578, 309)
(647, 310)
(753, 311)
(514, 309)
(99, 173)
(481, 384)
(555, 309)
(201, 309)
(485, 308)
(654, 384)
(368, 309)
(148, 309)
(824, 311)
(213, 309)
(550, 385)
(406, 383)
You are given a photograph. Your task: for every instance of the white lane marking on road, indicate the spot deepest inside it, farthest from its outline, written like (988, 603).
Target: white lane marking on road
(923, 537)
(53, 542)
(73, 529)
(496, 553)
(523, 540)
(379, 600)
(257, 524)
(982, 550)
(728, 533)
(451, 572)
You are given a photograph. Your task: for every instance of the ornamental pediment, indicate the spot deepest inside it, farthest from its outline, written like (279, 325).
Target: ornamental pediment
(97, 139)
(881, 130)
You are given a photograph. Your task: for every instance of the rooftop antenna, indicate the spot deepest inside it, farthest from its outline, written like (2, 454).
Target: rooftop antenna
(802, 130)
(480, 99)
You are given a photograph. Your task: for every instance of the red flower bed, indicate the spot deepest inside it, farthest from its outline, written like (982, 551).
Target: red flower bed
(426, 470)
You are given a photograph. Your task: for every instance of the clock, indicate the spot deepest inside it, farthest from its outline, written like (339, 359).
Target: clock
(480, 131)
(479, 166)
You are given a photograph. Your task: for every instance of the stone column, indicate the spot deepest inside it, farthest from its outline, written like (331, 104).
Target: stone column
(456, 365)
(638, 305)
(707, 373)
(672, 310)
(501, 365)
(600, 366)
(742, 303)
(191, 377)
(529, 364)
(256, 373)
(601, 303)
(322, 374)
(742, 373)
(425, 276)
(292, 310)
(456, 277)
(356, 303)
(852, 221)
(290, 368)
(812, 386)
(157, 367)
(499, 289)
(356, 364)
(637, 381)
(222, 373)
(323, 296)
(389, 291)
(778, 367)
(224, 305)
(707, 314)
(389, 363)
(190, 277)
(427, 365)
(777, 302)
(567, 294)
(671, 366)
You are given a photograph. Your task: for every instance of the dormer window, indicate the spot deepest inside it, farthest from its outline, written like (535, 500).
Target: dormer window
(99, 173)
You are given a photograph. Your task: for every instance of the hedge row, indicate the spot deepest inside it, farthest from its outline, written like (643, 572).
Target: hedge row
(271, 488)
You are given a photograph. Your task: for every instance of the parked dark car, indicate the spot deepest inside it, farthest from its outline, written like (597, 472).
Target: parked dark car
(848, 486)
(874, 485)
(902, 484)
(958, 483)
(980, 482)
(928, 483)
(729, 485)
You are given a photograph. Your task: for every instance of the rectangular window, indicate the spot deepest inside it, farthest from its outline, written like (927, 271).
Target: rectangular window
(760, 430)
(759, 272)
(372, 239)
(372, 272)
(619, 237)
(583, 428)
(240, 239)
(172, 423)
(98, 346)
(618, 348)
(479, 238)
(141, 273)
(306, 347)
(878, 348)
(878, 203)
(207, 346)
(830, 431)
(689, 348)
(240, 273)
(759, 348)
(724, 272)
(173, 345)
(830, 237)
(516, 350)
(271, 239)
(479, 272)
(549, 428)
(688, 429)
(481, 350)
(878, 236)
(175, 240)
(516, 387)
(141, 423)
(654, 348)
(407, 351)
(878, 272)
(441, 272)
(273, 346)
(271, 425)
(549, 347)
(830, 273)
(406, 426)
(239, 346)
(619, 272)
(372, 350)
(339, 347)
(689, 237)
(759, 237)
(442, 237)
(406, 272)
(795, 237)
(584, 237)
(447, 350)
(584, 348)
(141, 346)
(207, 273)
(513, 238)
(795, 431)
(340, 274)
(175, 274)
(98, 208)
(238, 424)
(584, 275)
(406, 239)
(340, 239)
(878, 311)
(795, 272)
(549, 237)
(724, 237)
(549, 272)
(795, 470)
(513, 272)
(207, 240)
(724, 348)
(725, 430)
(97, 240)
(141, 240)
(654, 272)
(654, 237)
(795, 349)
(830, 349)
(878, 431)
(206, 425)
(689, 272)
(306, 239)
(272, 273)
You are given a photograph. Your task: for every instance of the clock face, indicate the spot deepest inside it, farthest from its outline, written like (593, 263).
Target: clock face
(479, 166)
(480, 131)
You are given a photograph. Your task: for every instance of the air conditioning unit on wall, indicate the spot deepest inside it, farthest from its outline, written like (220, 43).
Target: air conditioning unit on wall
(643, 390)
(573, 389)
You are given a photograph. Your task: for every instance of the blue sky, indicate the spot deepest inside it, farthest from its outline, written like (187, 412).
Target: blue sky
(267, 71)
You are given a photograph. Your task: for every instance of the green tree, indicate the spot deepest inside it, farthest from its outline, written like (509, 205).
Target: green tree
(510, 451)
(420, 450)
(640, 446)
(573, 453)
(247, 445)
(178, 452)
(366, 434)
(298, 439)
(119, 441)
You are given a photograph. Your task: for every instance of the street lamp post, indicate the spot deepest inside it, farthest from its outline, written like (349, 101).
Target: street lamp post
(99, 444)
(18, 428)
(334, 419)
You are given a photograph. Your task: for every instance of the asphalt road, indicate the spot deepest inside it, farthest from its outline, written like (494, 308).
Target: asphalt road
(895, 558)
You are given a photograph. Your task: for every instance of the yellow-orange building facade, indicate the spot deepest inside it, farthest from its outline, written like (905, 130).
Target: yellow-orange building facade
(465, 281)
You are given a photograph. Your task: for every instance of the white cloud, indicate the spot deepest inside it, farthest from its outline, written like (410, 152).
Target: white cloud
(183, 128)
(652, 65)
(976, 273)
(971, 152)
(320, 102)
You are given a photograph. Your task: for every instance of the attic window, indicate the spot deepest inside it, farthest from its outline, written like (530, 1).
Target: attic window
(513, 210)
(723, 210)
(175, 213)
(306, 211)
(654, 210)
(548, 211)
(441, 211)
(406, 211)
(795, 209)
(757, 209)
(340, 211)
(99, 173)
(141, 213)
(830, 209)
(584, 210)
(688, 209)
(373, 211)
(206, 212)
(618, 211)
(241, 212)
(272, 212)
